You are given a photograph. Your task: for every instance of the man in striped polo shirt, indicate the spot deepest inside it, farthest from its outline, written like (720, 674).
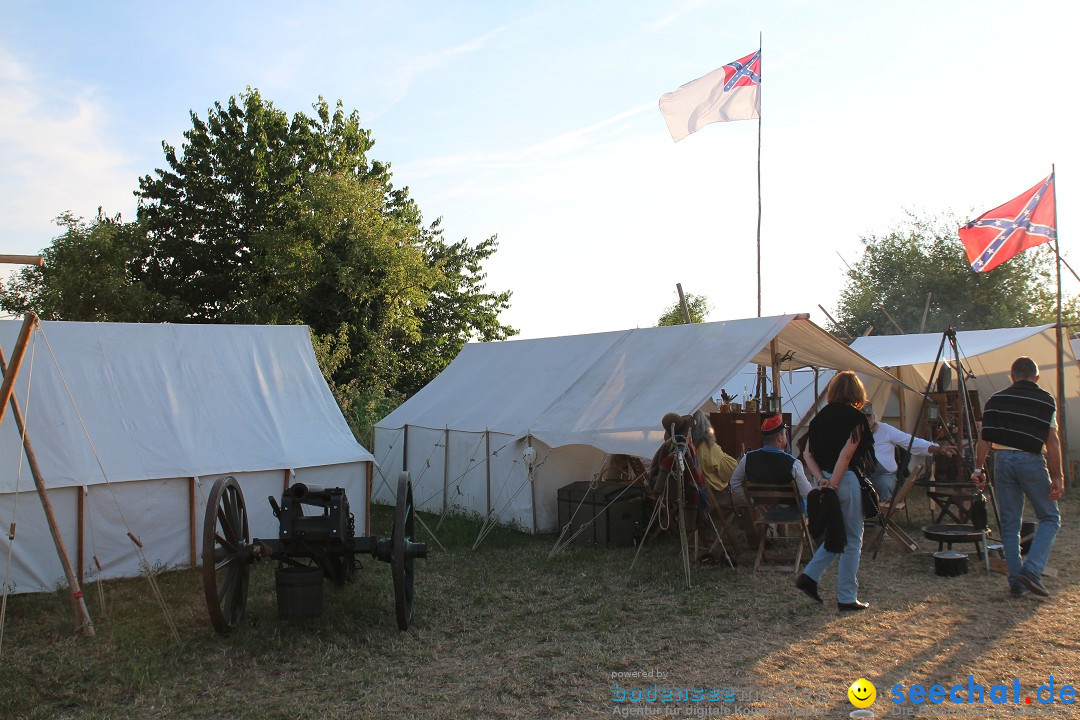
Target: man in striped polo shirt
(1018, 423)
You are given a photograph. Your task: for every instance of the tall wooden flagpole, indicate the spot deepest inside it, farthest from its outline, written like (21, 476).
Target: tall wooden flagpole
(1062, 408)
(761, 368)
(759, 182)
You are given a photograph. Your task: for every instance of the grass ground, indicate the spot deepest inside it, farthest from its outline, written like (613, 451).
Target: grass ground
(505, 632)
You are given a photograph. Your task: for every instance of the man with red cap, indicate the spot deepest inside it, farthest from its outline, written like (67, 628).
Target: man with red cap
(772, 464)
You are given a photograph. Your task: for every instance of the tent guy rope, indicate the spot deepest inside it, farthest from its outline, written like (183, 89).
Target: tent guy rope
(143, 562)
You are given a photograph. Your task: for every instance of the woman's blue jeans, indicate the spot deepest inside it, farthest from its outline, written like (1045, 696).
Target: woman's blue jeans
(847, 584)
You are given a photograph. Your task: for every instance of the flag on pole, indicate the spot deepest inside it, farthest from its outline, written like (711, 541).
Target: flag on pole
(1007, 231)
(728, 93)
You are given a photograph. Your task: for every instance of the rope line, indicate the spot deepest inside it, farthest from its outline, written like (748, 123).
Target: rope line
(96, 557)
(401, 431)
(416, 515)
(652, 519)
(491, 520)
(592, 485)
(468, 469)
(7, 588)
(143, 562)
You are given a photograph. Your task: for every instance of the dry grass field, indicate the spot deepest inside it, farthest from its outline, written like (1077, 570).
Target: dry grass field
(505, 632)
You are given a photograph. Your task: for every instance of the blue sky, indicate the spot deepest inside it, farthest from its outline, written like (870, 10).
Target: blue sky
(537, 121)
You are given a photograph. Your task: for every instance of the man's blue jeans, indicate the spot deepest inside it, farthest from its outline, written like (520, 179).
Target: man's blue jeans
(883, 481)
(1018, 475)
(847, 582)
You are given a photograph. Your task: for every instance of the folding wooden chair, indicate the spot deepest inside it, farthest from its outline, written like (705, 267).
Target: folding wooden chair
(778, 510)
(884, 523)
(953, 500)
(721, 517)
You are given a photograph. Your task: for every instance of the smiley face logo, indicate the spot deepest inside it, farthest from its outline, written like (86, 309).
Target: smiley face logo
(862, 693)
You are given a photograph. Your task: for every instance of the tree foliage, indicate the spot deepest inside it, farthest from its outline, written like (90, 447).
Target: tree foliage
(924, 257)
(265, 219)
(699, 308)
(87, 274)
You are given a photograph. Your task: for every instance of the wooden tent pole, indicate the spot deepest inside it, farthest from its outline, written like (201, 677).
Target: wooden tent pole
(7, 389)
(83, 622)
(774, 350)
(446, 468)
(191, 523)
(487, 469)
(369, 477)
(532, 488)
(22, 259)
(80, 555)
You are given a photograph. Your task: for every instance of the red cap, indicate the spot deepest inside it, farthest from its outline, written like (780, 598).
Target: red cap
(772, 425)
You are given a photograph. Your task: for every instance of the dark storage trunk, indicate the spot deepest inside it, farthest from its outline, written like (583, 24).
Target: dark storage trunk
(616, 512)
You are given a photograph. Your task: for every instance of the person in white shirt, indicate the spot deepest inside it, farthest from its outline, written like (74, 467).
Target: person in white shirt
(886, 440)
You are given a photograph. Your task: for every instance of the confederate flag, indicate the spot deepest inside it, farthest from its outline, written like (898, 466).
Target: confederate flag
(727, 93)
(1009, 230)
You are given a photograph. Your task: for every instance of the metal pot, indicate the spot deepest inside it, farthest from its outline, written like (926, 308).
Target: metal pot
(950, 563)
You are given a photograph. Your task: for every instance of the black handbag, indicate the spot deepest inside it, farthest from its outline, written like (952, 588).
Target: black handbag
(978, 514)
(871, 503)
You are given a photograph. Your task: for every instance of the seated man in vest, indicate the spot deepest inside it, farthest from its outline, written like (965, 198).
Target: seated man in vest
(1018, 423)
(772, 464)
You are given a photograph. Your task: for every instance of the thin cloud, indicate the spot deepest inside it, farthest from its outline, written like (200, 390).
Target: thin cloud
(680, 13)
(547, 150)
(56, 157)
(402, 80)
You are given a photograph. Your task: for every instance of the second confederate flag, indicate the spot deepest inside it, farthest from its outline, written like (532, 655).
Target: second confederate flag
(1012, 228)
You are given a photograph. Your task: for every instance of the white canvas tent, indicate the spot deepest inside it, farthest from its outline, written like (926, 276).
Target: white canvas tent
(573, 400)
(162, 412)
(987, 353)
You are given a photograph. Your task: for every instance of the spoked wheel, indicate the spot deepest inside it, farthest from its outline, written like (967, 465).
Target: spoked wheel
(226, 555)
(405, 551)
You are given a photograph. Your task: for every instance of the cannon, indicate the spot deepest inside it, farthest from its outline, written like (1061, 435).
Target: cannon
(315, 541)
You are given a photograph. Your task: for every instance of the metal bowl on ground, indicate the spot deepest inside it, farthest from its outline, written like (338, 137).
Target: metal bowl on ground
(952, 533)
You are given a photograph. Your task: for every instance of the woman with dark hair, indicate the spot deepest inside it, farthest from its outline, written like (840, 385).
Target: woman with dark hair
(839, 443)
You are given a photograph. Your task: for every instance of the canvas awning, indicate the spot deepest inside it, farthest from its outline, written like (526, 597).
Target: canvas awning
(609, 390)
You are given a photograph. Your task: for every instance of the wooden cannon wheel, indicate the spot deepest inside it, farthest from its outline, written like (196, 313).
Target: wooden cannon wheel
(403, 552)
(226, 555)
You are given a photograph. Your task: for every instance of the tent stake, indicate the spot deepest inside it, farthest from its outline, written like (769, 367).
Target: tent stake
(84, 624)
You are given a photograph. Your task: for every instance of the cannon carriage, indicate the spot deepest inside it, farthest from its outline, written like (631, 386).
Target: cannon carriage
(315, 541)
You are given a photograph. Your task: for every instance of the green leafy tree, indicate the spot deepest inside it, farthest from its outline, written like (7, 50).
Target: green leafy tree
(86, 274)
(262, 218)
(924, 257)
(459, 310)
(699, 308)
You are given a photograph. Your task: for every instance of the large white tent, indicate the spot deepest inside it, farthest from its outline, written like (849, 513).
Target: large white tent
(988, 354)
(573, 400)
(131, 425)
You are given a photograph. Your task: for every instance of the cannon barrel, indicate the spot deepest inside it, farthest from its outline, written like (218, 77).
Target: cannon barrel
(309, 494)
